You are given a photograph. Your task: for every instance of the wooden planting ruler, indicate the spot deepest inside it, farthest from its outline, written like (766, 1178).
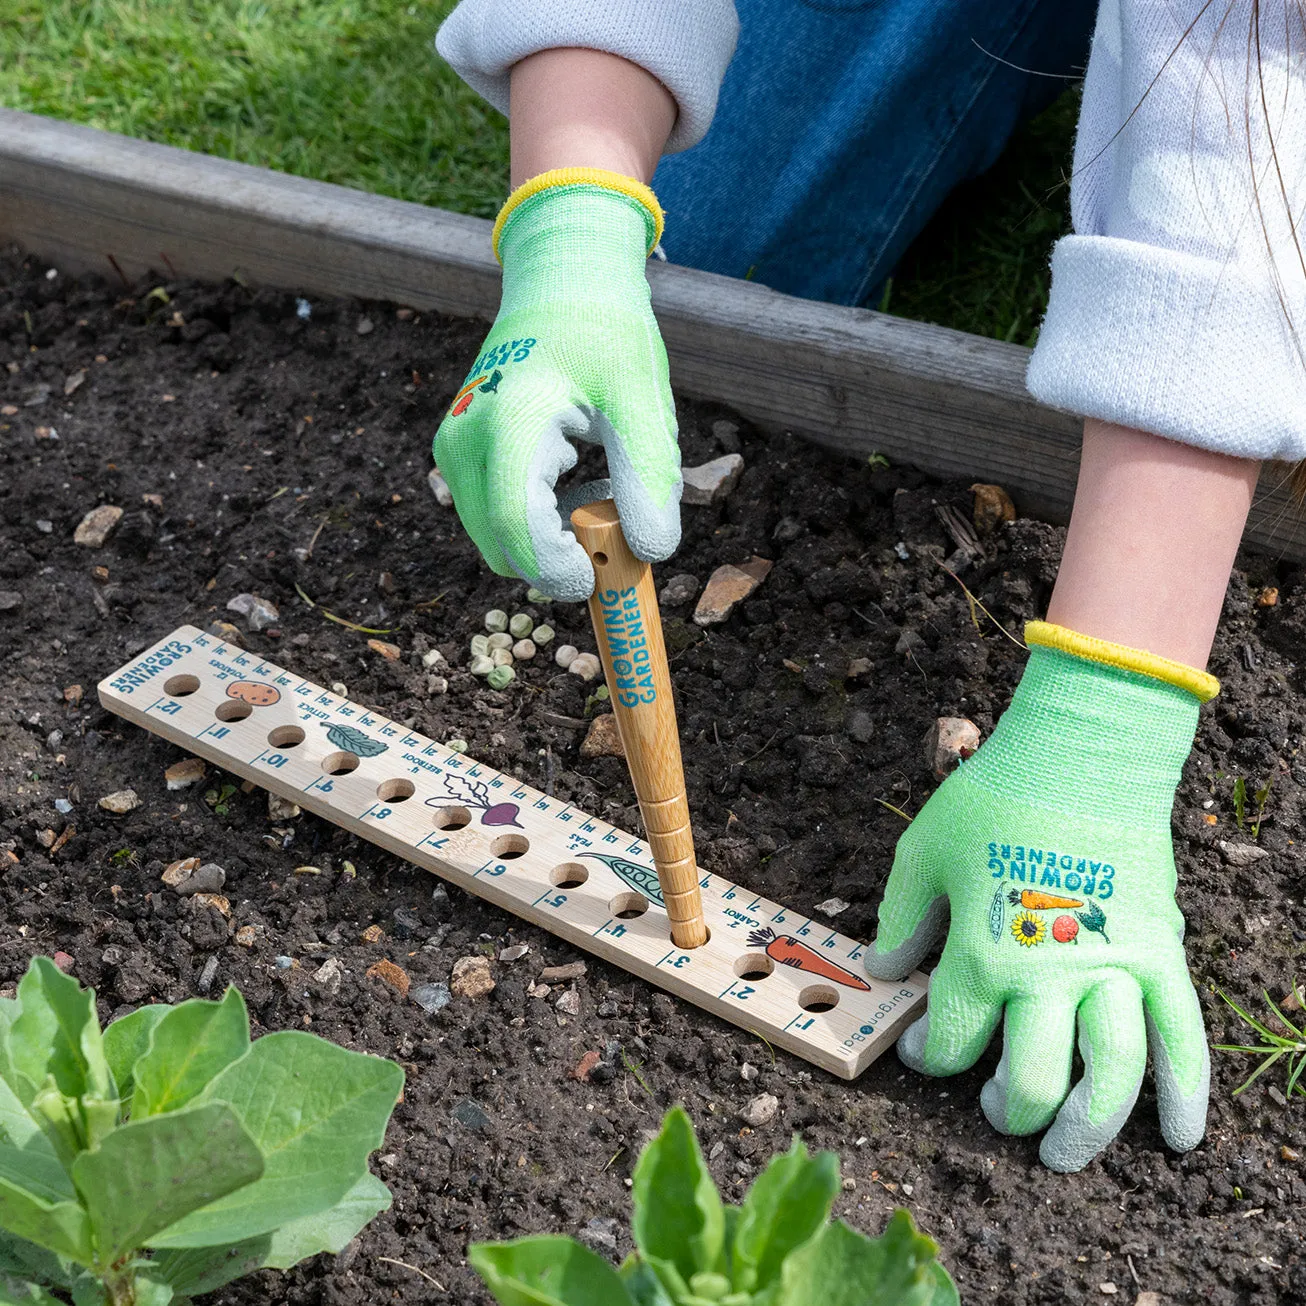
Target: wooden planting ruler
(771, 971)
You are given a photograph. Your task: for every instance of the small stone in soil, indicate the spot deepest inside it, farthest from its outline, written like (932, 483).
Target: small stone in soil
(761, 1110)
(586, 666)
(432, 658)
(951, 739)
(472, 1115)
(1241, 854)
(600, 1235)
(585, 1066)
(859, 668)
(10, 600)
(330, 975)
(281, 809)
(440, 488)
(219, 904)
(908, 642)
(62, 806)
(712, 482)
(373, 934)
(246, 936)
(832, 906)
(431, 997)
(206, 879)
(120, 802)
(365, 326)
(726, 434)
(391, 975)
(603, 739)
(471, 977)
(993, 506)
(573, 970)
(284, 963)
(63, 960)
(1107, 1289)
(679, 590)
(860, 726)
(176, 872)
(407, 922)
(436, 685)
(391, 652)
(748, 1072)
(515, 953)
(183, 774)
(206, 976)
(259, 614)
(727, 586)
(72, 695)
(569, 1003)
(95, 527)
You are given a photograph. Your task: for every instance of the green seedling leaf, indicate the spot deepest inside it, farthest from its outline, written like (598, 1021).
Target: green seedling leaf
(787, 1204)
(38, 1171)
(678, 1220)
(187, 1048)
(57, 1033)
(23, 1260)
(547, 1271)
(150, 1173)
(17, 1127)
(315, 1111)
(644, 1286)
(126, 1040)
(60, 1119)
(59, 1226)
(841, 1267)
(195, 1270)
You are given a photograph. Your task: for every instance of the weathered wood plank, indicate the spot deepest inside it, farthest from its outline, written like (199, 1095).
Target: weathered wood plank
(859, 381)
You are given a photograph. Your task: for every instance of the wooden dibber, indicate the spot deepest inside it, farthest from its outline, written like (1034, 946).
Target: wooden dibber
(628, 627)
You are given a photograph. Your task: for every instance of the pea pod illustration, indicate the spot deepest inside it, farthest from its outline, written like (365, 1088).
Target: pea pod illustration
(997, 915)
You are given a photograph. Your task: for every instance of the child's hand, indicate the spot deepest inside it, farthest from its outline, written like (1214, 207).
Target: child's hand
(575, 352)
(1051, 849)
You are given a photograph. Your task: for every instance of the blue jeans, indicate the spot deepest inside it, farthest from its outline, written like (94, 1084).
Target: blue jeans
(844, 124)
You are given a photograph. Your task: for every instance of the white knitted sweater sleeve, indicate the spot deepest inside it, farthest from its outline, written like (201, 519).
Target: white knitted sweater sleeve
(685, 44)
(1179, 304)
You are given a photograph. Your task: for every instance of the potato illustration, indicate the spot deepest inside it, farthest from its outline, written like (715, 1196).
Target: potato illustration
(254, 694)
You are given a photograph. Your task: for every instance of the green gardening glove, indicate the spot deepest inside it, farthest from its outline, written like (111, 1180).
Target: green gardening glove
(1051, 851)
(574, 352)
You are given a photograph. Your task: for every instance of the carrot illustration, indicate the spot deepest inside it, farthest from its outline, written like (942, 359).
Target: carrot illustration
(787, 951)
(1032, 900)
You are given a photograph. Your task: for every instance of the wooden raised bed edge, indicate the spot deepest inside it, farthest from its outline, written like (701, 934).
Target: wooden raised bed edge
(862, 382)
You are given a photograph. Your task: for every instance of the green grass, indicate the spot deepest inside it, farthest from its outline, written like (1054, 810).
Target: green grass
(351, 91)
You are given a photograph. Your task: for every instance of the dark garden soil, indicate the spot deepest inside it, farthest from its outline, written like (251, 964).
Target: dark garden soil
(256, 451)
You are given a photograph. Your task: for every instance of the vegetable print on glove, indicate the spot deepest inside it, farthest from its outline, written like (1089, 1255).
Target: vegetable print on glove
(575, 352)
(1050, 850)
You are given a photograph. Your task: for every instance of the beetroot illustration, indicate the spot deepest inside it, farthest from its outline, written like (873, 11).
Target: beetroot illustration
(476, 793)
(501, 814)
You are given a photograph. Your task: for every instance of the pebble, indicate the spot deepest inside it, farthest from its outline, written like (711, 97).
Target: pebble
(1287, 1153)
(330, 975)
(585, 1066)
(62, 806)
(96, 526)
(711, 482)
(1107, 1289)
(10, 600)
(436, 685)
(569, 1003)
(215, 900)
(832, 906)
(1148, 1299)
(431, 997)
(1241, 854)
(480, 646)
(600, 1235)
(432, 658)
(520, 624)
(391, 652)
(585, 665)
(523, 650)
(860, 727)
(573, 970)
(208, 878)
(499, 640)
(394, 977)
(566, 654)
(515, 953)
(993, 506)
(365, 326)
(500, 677)
(176, 872)
(951, 739)
(206, 976)
(471, 1114)
(373, 934)
(679, 590)
(283, 962)
(64, 961)
(183, 774)
(502, 657)
(45, 526)
(440, 488)
(471, 977)
(1268, 597)
(748, 1072)
(908, 642)
(726, 433)
(727, 586)
(603, 739)
(542, 635)
(761, 1110)
(496, 621)
(480, 665)
(259, 614)
(247, 936)
(121, 802)
(72, 695)
(859, 668)
(281, 809)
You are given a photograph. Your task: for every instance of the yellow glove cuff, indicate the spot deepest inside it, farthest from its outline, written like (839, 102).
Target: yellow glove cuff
(1198, 683)
(615, 181)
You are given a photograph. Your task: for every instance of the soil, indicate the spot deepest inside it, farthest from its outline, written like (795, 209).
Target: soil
(256, 450)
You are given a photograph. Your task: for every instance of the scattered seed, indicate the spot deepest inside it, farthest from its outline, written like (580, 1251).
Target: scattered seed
(502, 657)
(480, 646)
(457, 745)
(500, 639)
(523, 650)
(391, 652)
(520, 625)
(566, 655)
(496, 620)
(586, 666)
(501, 677)
(542, 635)
(480, 665)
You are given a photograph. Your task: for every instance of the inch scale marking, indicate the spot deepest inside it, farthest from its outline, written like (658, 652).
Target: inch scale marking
(765, 968)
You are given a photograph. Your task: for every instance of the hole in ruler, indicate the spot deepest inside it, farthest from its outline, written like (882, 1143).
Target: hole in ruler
(570, 875)
(600, 559)
(818, 997)
(395, 791)
(180, 686)
(285, 737)
(754, 966)
(451, 818)
(234, 709)
(339, 763)
(626, 906)
(508, 846)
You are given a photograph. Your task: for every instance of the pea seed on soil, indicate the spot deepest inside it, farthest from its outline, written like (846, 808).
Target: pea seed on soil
(252, 452)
